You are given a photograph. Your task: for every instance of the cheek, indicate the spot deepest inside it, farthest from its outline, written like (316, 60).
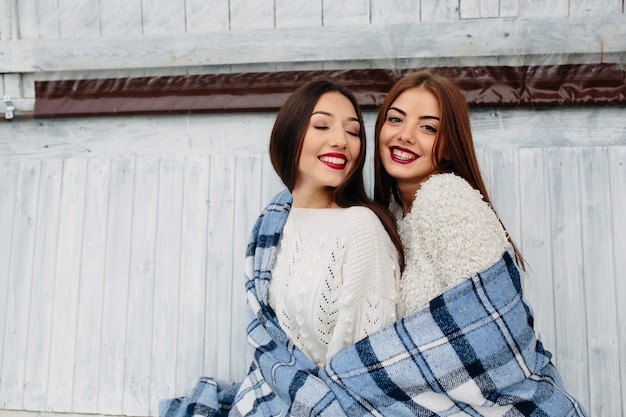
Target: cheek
(355, 149)
(386, 135)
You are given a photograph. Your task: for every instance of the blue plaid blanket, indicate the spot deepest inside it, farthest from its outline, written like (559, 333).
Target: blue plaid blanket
(470, 352)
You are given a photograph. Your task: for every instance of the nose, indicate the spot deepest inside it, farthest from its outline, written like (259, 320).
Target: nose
(338, 139)
(407, 134)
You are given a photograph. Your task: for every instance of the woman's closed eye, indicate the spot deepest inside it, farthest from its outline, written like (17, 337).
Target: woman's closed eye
(352, 127)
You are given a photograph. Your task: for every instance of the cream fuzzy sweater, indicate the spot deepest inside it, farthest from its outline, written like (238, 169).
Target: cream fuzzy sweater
(450, 234)
(334, 280)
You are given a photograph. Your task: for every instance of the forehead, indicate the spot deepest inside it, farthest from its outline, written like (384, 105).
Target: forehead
(417, 100)
(336, 103)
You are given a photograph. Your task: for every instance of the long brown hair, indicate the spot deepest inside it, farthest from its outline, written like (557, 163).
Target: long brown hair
(285, 147)
(453, 149)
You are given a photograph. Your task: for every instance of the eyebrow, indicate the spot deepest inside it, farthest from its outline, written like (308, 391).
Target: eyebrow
(325, 113)
(420, 117)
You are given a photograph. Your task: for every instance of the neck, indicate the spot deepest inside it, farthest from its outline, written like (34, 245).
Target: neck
(320, 199)
(407, 195)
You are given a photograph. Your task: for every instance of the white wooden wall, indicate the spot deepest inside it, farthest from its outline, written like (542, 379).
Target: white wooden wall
(69, 39)
(121, 258)
(122, 239)
(121, 252)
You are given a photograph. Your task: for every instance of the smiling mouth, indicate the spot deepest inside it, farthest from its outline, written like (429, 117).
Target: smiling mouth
(336, 162)
(402, 156)
(333, 160)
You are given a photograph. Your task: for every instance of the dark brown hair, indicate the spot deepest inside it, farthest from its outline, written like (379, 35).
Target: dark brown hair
(453, 149)
(285, 147)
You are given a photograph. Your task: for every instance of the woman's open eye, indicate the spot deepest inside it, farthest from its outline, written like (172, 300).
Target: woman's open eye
(430, 128)
(394, 119)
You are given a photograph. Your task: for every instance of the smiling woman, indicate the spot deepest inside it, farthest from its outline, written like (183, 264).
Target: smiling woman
(428, 174)
(456, 247)
(328, 244)
(326, 258)
(407, 139)
(330, 149)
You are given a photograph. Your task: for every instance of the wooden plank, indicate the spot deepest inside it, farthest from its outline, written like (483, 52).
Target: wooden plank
(369, 119)
(140, 307)
(220, 276)
(250, 14)
(8, 20)
(45, 15)
(8, 188)
(90, 296)
(248, 186)
(298, 14)
(469, 9)
(78, 19)
(115, 293)
(595, 9)
(489, 8)
(20, 274)
(439, 11)
(42, 295)
(222, 134)
(66, 286)
(162, 17)
(12, 88)
(570, 355)
(389, 12)
(535, 240)
(346, 12)
(617, 172)
(543, 8)
(24, 24)
(304, 43)
(509, 8)
(167, 277)
(202, 16)
(502, 167)
(564, 127)
(484, 164)
(271, 182)
(600, 287)
(193, 270)
(120, 18)
(28, 91)
(181, 135)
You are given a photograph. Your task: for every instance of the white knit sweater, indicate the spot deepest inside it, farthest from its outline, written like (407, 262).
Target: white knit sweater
(449, 235)
(334, 280)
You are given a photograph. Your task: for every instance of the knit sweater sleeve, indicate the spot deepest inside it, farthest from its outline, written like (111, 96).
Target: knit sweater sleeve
(370, 278)
(450, 234)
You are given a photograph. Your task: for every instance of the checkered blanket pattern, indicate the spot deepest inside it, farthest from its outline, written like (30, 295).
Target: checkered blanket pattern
(470, 352)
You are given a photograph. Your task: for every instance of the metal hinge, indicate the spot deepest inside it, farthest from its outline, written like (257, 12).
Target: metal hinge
(8, 113)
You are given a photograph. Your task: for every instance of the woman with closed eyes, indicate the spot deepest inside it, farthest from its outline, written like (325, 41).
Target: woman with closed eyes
(336, 271)
(322, 265)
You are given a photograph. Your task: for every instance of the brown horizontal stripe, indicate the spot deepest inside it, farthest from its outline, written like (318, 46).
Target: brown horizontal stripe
(585, 84)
